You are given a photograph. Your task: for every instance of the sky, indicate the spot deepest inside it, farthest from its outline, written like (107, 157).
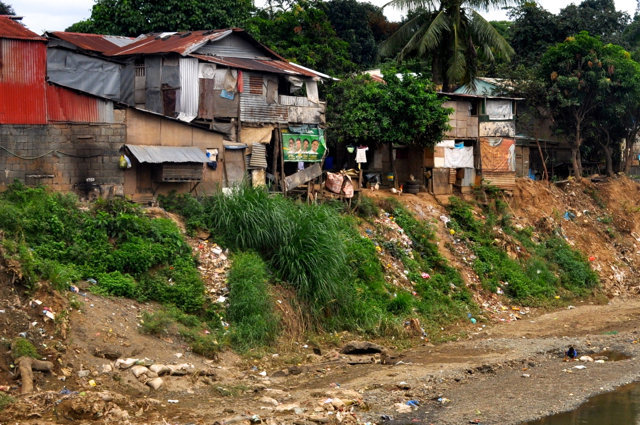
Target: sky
(56, 15)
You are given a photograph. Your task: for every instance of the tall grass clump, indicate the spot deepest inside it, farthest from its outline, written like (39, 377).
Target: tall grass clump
(251, 310)
(301, 243)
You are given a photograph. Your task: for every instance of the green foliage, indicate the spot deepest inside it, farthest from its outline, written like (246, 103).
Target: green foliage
(303, 34)
(451, 34)
(115, 283)
(366, 207)
(130, 254)
(135, 17)
(363, 111)
(542, 271)
(156, 323)
(185, 205)
(6, 9)
(251, 310)
(22, 347)
(5, 400)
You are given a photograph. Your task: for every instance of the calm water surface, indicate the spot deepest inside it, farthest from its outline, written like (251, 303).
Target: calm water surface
(620, 407)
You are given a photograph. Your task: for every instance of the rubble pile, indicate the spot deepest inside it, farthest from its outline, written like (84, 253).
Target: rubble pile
(214, 265)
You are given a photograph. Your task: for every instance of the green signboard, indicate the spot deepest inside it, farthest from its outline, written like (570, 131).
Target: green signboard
(306, 147)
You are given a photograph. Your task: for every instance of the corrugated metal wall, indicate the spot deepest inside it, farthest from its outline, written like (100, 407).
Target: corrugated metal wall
(23, 66)
(66, 105)
(189, 87)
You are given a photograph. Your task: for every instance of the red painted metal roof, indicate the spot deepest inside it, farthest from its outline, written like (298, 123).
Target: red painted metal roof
(14, 30)
(66, 105)
(181, 42)
(263, 65)
(93, 42)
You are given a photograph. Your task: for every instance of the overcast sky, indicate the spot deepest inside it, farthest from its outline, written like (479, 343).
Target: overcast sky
(56, 15)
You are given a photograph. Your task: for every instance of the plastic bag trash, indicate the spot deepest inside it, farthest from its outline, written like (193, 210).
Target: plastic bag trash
(386, 417)
(580, 367)
(173, 401)
(92, 281)
(413, 403)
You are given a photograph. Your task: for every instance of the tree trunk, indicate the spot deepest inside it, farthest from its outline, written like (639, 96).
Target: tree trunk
(575, 151)
(608, 159)
(26, 365)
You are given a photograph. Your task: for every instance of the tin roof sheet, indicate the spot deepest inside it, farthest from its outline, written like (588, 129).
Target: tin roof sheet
(93, 42)
(9, 28)
(179, 42)
(161, 154)
(262, 65)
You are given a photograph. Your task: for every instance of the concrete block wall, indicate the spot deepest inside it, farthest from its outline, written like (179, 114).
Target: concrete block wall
(62, 156)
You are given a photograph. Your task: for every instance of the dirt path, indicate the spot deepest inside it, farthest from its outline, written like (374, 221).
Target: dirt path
(508, 373)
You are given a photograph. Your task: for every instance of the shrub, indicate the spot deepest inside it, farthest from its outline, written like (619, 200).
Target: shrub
(156, 323)
(115, 283)
(22, 347)
(5, 400)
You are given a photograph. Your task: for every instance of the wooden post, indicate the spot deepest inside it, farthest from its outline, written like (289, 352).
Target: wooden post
(544, 165)
(283, 184)
(274, 160)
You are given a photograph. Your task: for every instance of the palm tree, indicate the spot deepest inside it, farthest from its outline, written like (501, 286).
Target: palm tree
(452, 33)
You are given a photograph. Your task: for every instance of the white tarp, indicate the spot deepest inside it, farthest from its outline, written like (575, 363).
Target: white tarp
(446, 144)
(499, 109)
(458, 157)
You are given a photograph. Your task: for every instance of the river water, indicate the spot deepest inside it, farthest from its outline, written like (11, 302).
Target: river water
(620, 407)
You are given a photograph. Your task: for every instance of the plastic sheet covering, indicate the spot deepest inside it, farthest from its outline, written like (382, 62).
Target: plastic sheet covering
(458, 157)
(498, 154)
(189, 89)
(84, 73)
(312, 91)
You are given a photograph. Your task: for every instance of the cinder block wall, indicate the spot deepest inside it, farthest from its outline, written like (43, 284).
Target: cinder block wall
(62, 156)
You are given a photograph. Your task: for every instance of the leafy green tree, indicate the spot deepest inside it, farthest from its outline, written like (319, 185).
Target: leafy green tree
(616, 115)
(534, 29)
(303, 35)
(598, 17)
(351, 21)
(6, 9)
(361, 110)
(590, 86)
(452, 34)
(135, 17)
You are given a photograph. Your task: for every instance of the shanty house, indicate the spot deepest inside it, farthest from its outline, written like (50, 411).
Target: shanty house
(73, 141)
(221, 80)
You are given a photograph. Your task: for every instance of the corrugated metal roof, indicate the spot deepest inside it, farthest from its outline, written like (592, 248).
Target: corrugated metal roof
(262, 65)
(12, 29)
(93, 42)
(66, 105)
(161, 154)
(23, 65)
(181, 42)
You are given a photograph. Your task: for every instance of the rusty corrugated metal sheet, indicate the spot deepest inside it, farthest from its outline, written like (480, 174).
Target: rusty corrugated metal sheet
(93, 42)
(66, 105)
(159, 154)
(14, 30)
(263, 65)
(182, 43)
(22, 86)
(255, 109)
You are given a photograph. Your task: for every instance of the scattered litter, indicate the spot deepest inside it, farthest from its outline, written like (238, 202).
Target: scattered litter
(580, 367)
(526, 375)
(413, 403)
(263, 373)
(173, 401)
(92, 281)
(92, 383)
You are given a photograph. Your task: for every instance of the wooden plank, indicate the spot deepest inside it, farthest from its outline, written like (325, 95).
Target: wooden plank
(301, 177)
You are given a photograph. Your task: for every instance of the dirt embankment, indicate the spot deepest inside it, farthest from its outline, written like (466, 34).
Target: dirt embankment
(504, 372)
